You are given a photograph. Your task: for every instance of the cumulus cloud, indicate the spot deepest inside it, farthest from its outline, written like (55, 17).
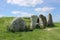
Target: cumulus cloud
(44, 9)
(16, 12)
(25, 2)
(22, 14)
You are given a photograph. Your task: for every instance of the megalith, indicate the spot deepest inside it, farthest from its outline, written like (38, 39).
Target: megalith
(42, 21)
(50, 21)
(33, 21)
(18, 24)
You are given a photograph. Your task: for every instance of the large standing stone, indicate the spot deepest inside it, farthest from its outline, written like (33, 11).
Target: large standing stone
(33, 21)
(45, 21)
(42, 21)
(17, 24)
(50, 21)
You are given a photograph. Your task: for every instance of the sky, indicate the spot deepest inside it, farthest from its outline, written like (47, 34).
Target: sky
(27, 8)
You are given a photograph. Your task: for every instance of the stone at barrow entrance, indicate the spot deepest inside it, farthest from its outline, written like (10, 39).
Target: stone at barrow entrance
(45, 21)
(17, 24)
(42, 21)
(50, 21)
(33, 21)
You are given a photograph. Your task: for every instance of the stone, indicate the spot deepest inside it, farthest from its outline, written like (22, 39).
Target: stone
(45, 21)
(33, 21)
(42, 21)
(50, 21)
(17, 24)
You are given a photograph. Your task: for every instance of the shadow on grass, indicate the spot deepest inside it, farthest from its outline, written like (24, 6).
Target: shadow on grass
(52, 26)
(30, 30)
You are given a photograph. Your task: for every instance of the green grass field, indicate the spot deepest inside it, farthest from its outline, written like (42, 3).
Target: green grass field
(50, 33)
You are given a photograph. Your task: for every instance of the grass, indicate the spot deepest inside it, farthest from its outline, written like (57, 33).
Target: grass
(37, 34)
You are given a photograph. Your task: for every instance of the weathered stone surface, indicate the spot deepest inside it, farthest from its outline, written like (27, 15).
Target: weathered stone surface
(42, 21)
(33, 21)
(17, 24)
(45, 21)
(50, 21)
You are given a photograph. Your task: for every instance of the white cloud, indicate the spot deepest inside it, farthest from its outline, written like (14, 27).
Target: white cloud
(44, 9)
(25, 2)
(15, 12)
(22, 14)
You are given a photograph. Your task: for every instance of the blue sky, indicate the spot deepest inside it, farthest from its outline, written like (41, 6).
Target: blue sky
(26, 8)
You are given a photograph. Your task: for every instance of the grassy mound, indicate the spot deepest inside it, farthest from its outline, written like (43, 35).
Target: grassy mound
(50, 33)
